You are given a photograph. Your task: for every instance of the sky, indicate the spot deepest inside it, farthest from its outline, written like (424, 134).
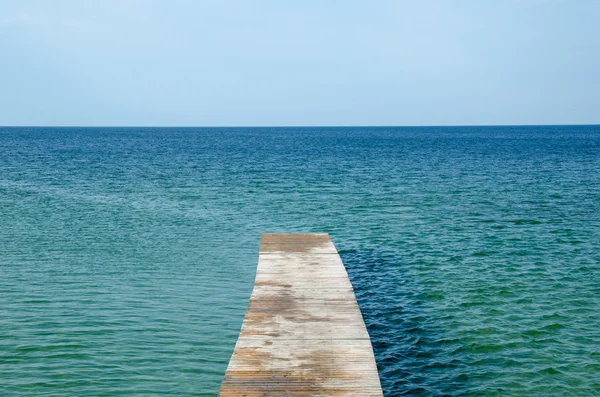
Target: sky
(299, 63)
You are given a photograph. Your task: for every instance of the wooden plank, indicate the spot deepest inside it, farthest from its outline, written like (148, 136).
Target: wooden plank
(303, 334)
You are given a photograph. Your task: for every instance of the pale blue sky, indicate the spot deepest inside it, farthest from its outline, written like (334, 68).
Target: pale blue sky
(230, 63)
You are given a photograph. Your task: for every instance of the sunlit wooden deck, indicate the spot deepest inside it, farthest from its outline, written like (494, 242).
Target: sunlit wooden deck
(303, 333)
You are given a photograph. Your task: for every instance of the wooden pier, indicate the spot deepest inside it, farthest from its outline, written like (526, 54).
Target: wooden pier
(303, 334)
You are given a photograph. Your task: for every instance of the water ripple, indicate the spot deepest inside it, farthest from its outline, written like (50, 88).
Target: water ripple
(127, 256)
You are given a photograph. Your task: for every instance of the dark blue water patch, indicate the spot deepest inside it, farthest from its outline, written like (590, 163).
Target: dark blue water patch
(413, 354)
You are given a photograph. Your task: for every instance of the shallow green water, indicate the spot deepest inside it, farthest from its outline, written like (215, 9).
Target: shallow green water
(127, 256)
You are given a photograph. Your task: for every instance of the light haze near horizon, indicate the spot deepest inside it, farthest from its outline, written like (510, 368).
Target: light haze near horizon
(274, 63)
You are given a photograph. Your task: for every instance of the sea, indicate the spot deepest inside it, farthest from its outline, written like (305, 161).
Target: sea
(128, 255)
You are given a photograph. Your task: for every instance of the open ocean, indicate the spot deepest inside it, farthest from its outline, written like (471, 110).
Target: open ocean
(127, 255)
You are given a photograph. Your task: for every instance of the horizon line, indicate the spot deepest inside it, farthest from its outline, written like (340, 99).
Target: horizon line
(303, 126)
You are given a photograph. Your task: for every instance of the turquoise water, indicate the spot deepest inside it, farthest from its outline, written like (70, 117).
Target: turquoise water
(127, 256)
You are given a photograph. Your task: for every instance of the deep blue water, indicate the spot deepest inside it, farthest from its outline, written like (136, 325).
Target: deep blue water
(127, 255)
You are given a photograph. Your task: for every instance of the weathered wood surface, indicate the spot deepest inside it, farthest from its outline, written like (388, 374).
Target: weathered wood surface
(303, 334)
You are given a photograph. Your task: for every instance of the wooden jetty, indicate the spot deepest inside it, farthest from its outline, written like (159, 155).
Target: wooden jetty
(303, 334)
